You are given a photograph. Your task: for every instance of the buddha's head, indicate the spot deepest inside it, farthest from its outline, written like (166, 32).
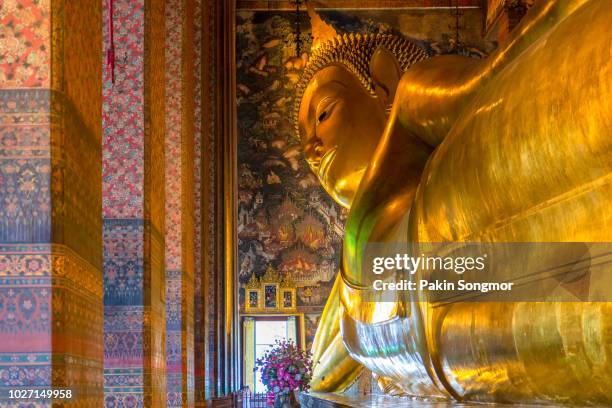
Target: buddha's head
(343, 99)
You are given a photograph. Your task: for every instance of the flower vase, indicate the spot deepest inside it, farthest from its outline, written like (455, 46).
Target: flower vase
(286, 400)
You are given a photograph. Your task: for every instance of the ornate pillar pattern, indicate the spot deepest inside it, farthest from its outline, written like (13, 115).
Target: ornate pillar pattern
(199, 320)
(133, 208)
(50, 246)
(179, 202)
(217, 353)
(229, 149)
(205, 306)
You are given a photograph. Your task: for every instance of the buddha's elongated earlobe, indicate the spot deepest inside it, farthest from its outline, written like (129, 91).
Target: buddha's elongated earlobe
(386, 73)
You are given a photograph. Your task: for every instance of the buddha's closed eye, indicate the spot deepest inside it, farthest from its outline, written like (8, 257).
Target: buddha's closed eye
(325, 109)
(322, 117)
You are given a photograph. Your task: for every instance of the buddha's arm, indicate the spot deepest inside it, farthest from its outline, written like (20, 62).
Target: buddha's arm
(329, 325)
(334, 369)
(384, 196)
(433, 93)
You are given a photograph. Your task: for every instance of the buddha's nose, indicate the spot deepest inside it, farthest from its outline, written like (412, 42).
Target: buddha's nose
(314, 151)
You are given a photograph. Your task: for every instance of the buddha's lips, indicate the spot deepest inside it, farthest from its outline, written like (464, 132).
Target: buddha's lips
(326, 161)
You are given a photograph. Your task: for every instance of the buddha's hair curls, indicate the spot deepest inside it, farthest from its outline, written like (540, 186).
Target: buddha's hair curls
(354, 52)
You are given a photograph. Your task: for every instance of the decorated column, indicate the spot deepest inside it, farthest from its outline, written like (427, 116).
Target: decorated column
(198, 128)
(50, 201)
(133, 204)
(179, 142)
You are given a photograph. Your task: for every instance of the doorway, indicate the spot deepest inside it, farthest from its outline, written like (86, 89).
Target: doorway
(259, 333)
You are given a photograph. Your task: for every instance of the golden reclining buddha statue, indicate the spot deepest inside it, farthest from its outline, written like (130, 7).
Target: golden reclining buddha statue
(512, 148)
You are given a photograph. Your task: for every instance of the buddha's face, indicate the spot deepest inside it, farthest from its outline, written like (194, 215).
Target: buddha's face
(340, 124)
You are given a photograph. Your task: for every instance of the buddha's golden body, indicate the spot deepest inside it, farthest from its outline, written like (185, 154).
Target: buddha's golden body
(514, 148)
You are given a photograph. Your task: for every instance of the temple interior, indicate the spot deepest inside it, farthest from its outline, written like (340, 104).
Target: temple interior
(186, 184)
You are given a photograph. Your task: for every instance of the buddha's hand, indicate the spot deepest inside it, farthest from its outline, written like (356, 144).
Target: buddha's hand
(334, 369)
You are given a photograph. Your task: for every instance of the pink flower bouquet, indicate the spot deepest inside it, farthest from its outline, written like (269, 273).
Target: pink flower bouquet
(285, 368)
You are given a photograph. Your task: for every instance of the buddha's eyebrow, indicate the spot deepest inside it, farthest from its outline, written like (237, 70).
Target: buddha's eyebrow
(312, 106)
(336, 82)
